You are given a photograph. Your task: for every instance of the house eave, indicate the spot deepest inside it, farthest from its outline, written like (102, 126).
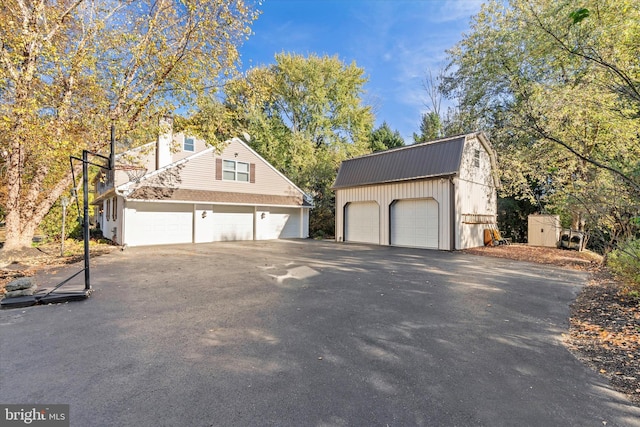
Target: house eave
(416, 178)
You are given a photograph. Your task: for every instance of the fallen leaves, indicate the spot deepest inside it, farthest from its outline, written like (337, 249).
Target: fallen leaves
(604, 332)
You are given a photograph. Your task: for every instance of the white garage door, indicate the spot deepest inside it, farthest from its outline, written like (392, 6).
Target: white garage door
(362, 222)
(158, 224)
(277, 223)
(414, 222)
(232, 223)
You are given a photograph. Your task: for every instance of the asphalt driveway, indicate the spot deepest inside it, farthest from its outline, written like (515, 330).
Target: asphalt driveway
(299, 333)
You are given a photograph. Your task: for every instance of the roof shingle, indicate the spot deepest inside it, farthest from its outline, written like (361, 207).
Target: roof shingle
(204, 196)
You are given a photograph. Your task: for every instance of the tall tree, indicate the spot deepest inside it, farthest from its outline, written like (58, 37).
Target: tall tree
(556, 84)
(305, 115)
(71, 68)
(384, 138)
(430, 128)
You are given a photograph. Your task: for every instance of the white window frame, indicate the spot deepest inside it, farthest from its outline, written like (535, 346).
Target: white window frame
(226, 171)
(193, 144)
(476, 158)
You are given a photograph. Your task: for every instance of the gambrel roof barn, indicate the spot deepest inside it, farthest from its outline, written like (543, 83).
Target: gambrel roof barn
(439, 194)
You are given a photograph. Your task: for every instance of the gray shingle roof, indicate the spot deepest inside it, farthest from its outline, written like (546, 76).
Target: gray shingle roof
(430, 159)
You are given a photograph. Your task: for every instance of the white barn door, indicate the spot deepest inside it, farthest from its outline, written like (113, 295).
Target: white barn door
(414, 222)
(362, 222)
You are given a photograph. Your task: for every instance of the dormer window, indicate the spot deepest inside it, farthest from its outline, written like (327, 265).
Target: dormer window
(189, 144)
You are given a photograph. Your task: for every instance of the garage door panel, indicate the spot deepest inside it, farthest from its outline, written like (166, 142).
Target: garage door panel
(232, 223)
(414, 222)
(158, 224)
(362, 222)
(285, 222)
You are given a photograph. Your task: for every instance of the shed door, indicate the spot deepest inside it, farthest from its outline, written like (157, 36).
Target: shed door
(414, 222)
(158, 223)
(232, 223)
(362, 222)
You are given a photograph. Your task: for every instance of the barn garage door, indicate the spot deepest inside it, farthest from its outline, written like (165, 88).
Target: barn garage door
(232, 223)
(362, 222)
(158, 224)
(414, 222)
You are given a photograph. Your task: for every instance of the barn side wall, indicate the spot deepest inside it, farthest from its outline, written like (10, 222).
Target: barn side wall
(385, 194)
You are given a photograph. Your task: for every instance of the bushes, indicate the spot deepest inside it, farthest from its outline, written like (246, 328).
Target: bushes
(624, 262)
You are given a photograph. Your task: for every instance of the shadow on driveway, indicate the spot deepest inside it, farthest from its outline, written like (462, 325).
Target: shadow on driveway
(308, 333)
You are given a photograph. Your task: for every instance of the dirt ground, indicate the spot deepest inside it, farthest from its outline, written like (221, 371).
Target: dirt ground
(605, 318)
(47, 255)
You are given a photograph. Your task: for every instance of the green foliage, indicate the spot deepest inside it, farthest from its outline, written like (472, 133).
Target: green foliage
(558, 90)
(51, 225)
(625, 262)
(513, 217)
(71, 69)
(430, 128)
(304, 115)
(579, 15)
(383, 138)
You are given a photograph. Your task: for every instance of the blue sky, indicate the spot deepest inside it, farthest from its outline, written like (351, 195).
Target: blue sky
(394, 41)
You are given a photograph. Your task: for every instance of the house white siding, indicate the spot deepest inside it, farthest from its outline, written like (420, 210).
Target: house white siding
(188, 200)
(203, 223)
(111, 225)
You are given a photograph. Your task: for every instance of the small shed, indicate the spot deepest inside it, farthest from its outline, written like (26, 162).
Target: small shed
(544, 230)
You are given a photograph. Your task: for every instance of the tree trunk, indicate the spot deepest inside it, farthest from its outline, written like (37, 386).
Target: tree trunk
(21, 223)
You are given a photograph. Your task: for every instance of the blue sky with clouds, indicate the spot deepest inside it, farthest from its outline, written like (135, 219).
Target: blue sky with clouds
(394, 41)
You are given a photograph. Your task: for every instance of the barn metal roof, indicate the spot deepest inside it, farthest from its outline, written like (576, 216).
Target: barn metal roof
(430, 159)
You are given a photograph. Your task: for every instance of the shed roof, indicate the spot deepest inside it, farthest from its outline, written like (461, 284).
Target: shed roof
(430, 159)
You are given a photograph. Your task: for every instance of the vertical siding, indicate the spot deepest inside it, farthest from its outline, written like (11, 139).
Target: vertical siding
(475, 194)
(385, 194)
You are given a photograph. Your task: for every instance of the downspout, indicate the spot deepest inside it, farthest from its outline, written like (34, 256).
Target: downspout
(123, 216)
(452, 215)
